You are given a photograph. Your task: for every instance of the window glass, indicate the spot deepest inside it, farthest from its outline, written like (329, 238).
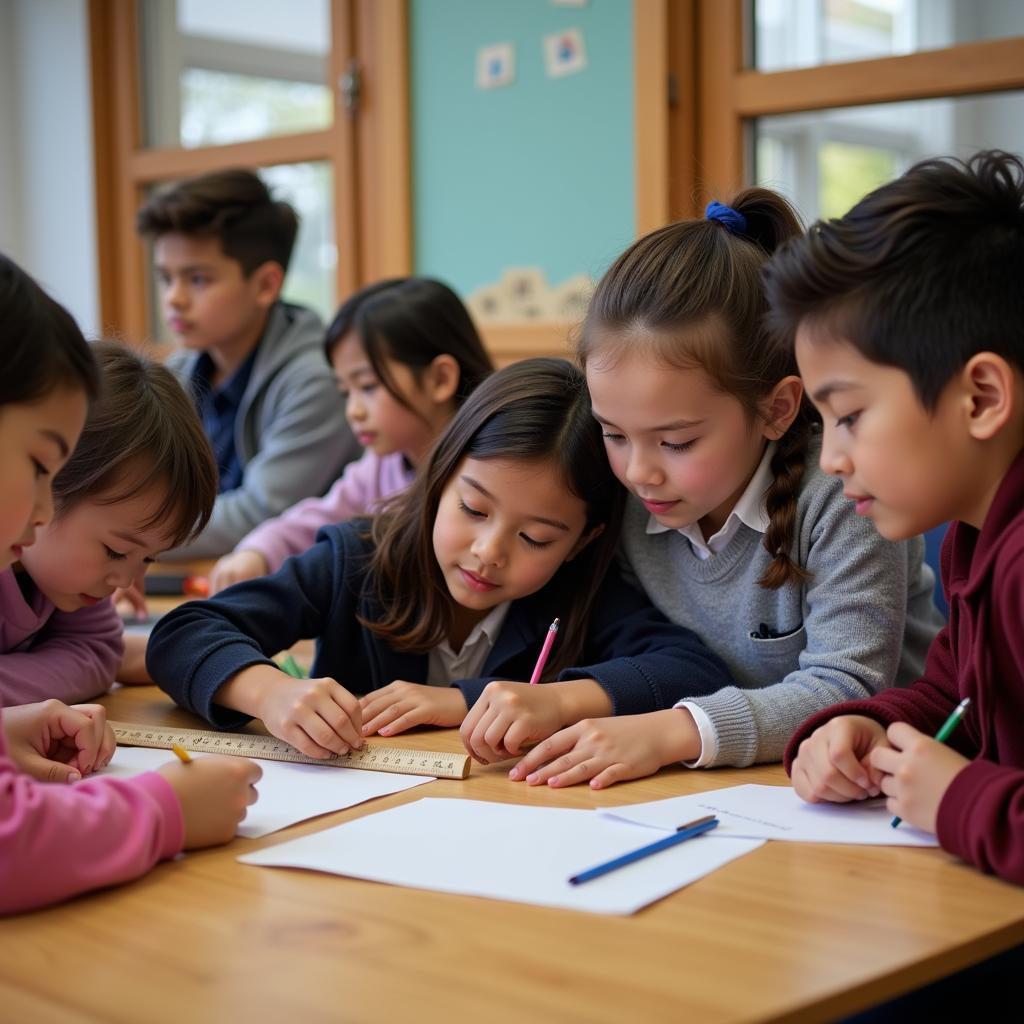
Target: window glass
(220, 71)
(804, 33)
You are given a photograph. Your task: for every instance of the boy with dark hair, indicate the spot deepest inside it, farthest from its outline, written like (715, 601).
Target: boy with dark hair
(908, 319)
(253, 363)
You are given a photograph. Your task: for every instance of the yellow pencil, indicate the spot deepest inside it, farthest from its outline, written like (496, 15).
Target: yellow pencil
(183, 754)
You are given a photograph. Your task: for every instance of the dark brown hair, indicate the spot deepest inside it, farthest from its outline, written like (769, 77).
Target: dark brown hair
(690, 295)
(141, 432)
(921, 274)
(233, 206)
(537, 409)
(42, 348)
(412, 320)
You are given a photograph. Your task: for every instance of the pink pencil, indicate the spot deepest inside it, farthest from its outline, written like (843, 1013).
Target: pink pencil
(544, 652)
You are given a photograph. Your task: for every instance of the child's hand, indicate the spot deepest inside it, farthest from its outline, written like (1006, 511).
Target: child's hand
(238, 566)
(131, 600)
(399, 706)
(214, 793)
(833, 763)
(317, 716)
(917, 772)
(610, 750)
(56, 743)
(507, 715)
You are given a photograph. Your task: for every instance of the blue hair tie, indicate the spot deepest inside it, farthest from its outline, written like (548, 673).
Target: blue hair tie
(732, 219)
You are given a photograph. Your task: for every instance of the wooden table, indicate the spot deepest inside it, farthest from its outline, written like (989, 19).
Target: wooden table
(789, 932)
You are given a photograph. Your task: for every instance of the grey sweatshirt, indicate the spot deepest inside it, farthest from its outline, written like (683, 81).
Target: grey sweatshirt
(861, 623)
(291, 435)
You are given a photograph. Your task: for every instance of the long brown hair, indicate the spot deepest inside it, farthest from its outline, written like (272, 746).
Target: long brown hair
(691, 295)
(142, 432)
(532, 410)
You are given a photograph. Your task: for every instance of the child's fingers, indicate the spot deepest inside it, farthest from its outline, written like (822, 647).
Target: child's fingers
(848, 776)
(613, 773)
(586, 769)
(298, 734)
(414, 716)
(545, 751)
(346, 716)
(564, 763)
(885, 760)
(494, 736)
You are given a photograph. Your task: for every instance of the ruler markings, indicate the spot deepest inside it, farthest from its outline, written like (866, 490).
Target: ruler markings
(269, 748)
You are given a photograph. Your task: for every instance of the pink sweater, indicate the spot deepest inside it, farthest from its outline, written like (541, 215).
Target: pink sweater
(45, 653)
(358, 491)
(57, 841)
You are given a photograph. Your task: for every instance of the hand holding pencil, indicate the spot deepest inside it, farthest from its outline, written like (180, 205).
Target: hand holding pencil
(918, 769)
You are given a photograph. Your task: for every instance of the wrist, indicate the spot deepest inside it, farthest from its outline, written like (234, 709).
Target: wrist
(580, 698)
(246, 690)
(678, 738)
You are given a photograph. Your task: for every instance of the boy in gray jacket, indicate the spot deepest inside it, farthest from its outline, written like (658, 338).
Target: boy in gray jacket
(254, 364)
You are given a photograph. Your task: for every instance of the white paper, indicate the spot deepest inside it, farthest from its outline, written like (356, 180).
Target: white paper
(776, 812)
(288, 792)
(504, 852)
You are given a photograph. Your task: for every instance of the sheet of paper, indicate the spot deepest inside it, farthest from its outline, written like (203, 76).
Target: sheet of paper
(288, 792)
(775, 812)
(504, 852)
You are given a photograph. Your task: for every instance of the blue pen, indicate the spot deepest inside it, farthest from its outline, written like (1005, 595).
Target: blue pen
(681, 834)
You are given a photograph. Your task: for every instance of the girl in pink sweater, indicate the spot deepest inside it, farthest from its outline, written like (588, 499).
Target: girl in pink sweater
(56, 839)
(405, 354)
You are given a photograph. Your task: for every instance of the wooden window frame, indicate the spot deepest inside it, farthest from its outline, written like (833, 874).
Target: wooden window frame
(370, 154)
(731, 95)
(367, 152)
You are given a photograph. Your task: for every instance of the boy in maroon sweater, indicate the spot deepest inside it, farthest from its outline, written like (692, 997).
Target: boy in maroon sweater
(907, 315)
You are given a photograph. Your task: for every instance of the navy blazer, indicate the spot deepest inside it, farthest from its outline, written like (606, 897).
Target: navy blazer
(643, 662)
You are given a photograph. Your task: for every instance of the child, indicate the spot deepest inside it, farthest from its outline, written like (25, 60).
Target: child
(731, 530)
(405, 355)
(511, 522)
(140, 481)
(907, 317)
(255, 364)
(59, 840)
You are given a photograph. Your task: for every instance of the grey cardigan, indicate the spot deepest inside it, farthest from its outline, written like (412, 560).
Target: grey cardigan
(291, 434)
(862, 622)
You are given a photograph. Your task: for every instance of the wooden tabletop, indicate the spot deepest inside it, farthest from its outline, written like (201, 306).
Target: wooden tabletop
(788, 932)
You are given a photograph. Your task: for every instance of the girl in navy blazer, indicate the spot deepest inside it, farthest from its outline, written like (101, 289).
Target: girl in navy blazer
(438, 605)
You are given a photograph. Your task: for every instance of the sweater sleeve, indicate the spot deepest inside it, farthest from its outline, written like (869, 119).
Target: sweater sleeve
(58, 841)
(199, 646)
(304, 441)
(294, 531)
(925, 704)
(640, 659)
(855, 608)
(74, 657)
(981, 815)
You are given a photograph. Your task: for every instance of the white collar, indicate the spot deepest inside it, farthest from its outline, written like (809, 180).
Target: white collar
(750, 510)
(489, 626)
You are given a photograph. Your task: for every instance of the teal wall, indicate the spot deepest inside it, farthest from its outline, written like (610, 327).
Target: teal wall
(538, 173)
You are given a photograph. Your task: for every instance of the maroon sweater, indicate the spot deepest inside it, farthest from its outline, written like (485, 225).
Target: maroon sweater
(979, 654)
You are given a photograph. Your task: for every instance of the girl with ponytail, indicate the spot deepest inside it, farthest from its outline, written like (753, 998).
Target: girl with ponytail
(731, 528)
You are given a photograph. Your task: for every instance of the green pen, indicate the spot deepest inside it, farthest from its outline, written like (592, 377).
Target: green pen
(945, 732)
(292, 667)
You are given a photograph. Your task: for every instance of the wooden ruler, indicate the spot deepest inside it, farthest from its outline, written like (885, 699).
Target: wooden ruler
(269, 748)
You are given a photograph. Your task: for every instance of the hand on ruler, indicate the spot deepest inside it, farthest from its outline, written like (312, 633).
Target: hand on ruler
(214, 793)
(56, 743)
(317, 716)
(400, 705)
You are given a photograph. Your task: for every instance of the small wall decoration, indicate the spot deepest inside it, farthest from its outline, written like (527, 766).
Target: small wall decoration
(495, 66)
(564, 53)
(523, 293)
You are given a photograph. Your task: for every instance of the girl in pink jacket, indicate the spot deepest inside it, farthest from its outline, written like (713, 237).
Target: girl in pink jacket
(405, 354)
(60, 836)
